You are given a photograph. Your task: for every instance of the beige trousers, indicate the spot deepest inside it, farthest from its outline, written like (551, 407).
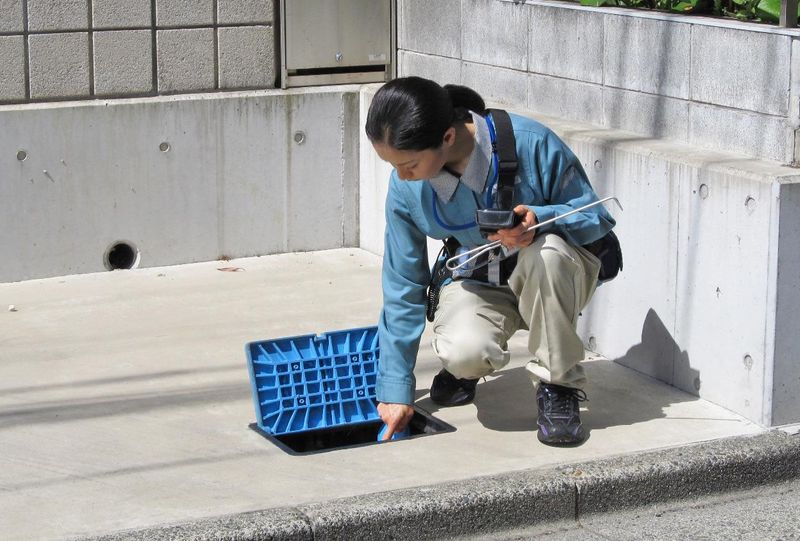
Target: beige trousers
(552, 282)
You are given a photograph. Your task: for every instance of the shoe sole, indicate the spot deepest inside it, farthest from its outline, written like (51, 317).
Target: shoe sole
(561, 441)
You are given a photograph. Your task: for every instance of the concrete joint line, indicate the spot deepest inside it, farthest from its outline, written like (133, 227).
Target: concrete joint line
(434, 55)
(505, 68)
(139, 27)
(514, 500)
(695, 101)
(134, 27)
(213, 25)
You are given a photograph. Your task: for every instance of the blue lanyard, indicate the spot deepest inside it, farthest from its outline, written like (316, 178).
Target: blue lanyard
(492, 182)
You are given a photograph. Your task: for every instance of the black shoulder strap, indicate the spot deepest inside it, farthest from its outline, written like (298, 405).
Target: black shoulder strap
(506, 147)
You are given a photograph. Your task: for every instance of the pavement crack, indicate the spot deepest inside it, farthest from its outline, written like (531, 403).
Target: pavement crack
(307, 520)
(577, 502)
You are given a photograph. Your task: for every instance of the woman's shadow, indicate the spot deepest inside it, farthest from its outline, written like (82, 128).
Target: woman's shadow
(617, 395)
(505, 401)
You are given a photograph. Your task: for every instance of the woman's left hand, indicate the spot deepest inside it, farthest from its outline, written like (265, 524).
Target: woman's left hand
(519, 236)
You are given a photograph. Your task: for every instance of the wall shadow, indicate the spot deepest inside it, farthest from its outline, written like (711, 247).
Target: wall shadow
(69, 410)
(151, 376)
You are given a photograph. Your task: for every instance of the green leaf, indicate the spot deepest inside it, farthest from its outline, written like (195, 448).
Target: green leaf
(682, 7)
(685, 6)
(594, 3)
(770, 10)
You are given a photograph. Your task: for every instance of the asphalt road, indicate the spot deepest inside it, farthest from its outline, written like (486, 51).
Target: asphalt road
(766, 513)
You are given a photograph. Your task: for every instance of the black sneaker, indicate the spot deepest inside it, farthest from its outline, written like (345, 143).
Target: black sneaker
(559, 414)
(448, 390)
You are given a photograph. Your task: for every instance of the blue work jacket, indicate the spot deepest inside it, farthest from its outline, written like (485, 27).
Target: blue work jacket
(550, 181)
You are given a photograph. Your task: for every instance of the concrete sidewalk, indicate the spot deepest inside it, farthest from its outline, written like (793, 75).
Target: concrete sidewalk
(524, 504)
(124, 402)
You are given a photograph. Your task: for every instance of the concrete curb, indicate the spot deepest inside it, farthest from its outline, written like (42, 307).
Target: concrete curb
(512, 500)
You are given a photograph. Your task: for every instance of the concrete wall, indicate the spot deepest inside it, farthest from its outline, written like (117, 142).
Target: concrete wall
(711, 83)
(187, 178)
(700, 304)
(73, 49)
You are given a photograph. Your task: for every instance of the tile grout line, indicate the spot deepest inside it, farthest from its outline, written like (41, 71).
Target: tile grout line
(26, 50)
(89, 5)
(153, 49)
(215, 41)
(135, 27)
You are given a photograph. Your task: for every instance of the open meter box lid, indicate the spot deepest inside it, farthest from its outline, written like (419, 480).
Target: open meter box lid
(310, 382)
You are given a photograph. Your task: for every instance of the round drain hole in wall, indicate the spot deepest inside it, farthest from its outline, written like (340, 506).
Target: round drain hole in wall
(122, 255)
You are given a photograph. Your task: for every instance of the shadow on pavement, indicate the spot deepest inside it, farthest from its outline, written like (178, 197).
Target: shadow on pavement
(619, 391)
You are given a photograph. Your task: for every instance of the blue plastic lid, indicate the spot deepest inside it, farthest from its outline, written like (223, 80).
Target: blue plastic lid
(314, 381)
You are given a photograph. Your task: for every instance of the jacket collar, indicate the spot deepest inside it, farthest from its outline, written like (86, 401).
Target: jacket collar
(474, 177)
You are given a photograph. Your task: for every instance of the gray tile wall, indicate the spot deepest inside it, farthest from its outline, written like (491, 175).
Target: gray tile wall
(244, 11)
(184, 12)
(122, 62)
(12, 68)
(59, 65)
(245, 55)
(110, 14)
(47, 15)
(185, 59)
(82, 49)
(11, 18)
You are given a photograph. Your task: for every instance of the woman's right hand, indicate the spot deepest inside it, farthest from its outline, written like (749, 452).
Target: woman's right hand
(396, 417)
(519, 236)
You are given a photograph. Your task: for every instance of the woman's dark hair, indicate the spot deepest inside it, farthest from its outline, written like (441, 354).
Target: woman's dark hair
(412, 113)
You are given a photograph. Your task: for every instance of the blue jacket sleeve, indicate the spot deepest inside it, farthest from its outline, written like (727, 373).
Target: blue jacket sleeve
(405, 277)
(565, 187)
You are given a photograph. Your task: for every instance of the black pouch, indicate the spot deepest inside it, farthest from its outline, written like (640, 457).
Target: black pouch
(609, 252)
(439, 275)
(491, 220)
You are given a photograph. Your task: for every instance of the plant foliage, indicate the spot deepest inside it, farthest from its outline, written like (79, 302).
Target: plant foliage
(750, 10)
